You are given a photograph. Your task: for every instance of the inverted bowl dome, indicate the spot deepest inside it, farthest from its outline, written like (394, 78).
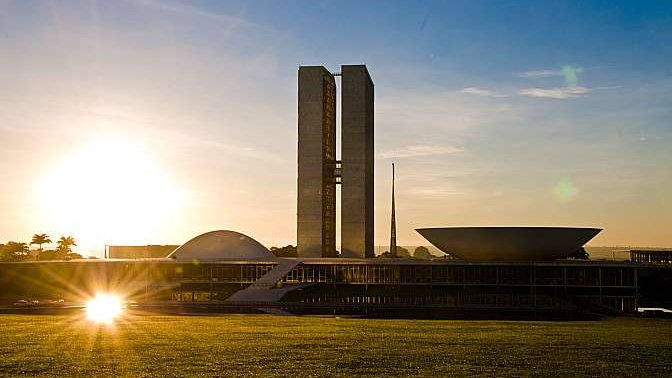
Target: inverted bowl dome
(509, 243)
(221, 244)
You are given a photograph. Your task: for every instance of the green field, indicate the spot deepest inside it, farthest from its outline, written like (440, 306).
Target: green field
(238, 345)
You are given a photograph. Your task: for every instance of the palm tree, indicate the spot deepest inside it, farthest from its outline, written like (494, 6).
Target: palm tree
(64, 244)
(16, 251)
(40, 239)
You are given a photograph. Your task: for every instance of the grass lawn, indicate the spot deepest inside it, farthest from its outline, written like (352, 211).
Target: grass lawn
(240, 345)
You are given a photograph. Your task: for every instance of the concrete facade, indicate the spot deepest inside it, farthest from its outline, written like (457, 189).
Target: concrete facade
(316, 202)
(357, 190)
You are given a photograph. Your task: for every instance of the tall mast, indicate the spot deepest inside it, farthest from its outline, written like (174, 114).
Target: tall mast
(393, 225)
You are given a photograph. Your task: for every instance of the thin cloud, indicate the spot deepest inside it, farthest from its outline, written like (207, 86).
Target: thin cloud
(541, 73)
(436, 192)
(420, 150)
(546, 73)
(558, 93)
(559, 72)
(481, 92)
(188, 10)
(243, 151)
(568, 72)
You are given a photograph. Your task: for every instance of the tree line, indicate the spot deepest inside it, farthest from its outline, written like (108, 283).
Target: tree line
(420, 253)
(20, 251)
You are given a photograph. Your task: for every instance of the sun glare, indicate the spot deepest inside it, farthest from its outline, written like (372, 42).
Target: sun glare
(104, 308)
(109, 190)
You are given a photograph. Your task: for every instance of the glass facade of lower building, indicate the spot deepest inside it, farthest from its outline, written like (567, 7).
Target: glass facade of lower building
(455, 284)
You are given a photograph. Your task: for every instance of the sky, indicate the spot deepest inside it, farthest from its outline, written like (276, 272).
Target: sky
(152, 121)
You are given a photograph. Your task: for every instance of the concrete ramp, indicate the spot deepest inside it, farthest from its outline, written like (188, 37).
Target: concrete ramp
(265, 289)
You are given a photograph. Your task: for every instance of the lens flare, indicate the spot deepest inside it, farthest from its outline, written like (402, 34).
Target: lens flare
(569, 73)
(104, 308)
(565, 190)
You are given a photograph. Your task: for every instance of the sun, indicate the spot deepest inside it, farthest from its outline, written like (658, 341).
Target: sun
(109, 190)
(104, 308)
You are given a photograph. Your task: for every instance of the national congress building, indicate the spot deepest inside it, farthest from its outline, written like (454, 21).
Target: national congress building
(493, 270)
(319, 171)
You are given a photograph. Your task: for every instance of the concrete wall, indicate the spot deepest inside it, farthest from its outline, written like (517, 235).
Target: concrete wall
(357, 158)
(316, 202)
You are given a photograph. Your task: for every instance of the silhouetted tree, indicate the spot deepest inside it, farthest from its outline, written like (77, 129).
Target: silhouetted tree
(64, 245)
(401, 252)
(580, 254)
(73, 255)
(422, 253)
(48, 254)
(15, 251)
(40, 239)
(286, 251)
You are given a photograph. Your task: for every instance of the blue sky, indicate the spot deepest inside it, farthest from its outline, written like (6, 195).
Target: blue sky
(496, 112)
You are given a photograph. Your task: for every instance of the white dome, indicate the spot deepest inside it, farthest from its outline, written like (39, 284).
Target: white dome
(221, 244)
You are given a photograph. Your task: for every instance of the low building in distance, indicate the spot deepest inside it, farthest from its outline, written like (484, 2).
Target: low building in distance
(138, 251)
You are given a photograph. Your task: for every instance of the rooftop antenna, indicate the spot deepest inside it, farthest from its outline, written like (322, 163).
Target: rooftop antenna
(393, 225)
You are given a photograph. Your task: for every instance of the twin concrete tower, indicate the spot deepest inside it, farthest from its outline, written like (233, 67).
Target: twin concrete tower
(320, 172)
